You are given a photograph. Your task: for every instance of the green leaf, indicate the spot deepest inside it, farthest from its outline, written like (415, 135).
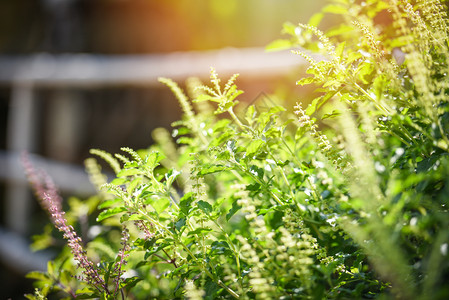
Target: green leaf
(254, 147)
(199, 230)
(134, 183)
(136, 217)
(306, 80)
(131, 282)
(364, 71)
(250, 114)
(203, 97)
(278, 45)
(171, 176)
(180, 223)
(110, 212)
(341, 29)
(205, 207)
(160, 204)
(315, 19)
(221, 124)
(186, 203)
(274, 219)
(211, 289)
(340, 50)
(37, 275)
(86, 296)
(318, 102)
(119, 181)
(353, 56)
(289, 28)
(152, 160)
(221, 247)
(335, 9)
(256, 171)
(234, 209)
(276, 109)
(213, 169)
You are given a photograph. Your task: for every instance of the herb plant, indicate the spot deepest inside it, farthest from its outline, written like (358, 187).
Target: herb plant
(344, 198)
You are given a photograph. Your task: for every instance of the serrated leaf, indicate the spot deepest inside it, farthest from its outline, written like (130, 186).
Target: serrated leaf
(185, 203)
(152, 160)
(110, 212)
(205, 207)
(221, 247)
(213, 169)
(234, 209)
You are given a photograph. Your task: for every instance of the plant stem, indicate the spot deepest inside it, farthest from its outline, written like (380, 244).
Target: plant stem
(236, 119)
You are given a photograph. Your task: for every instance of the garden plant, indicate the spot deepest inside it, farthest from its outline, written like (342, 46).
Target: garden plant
(344, 198)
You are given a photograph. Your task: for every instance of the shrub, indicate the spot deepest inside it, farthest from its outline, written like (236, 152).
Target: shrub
(346, 198)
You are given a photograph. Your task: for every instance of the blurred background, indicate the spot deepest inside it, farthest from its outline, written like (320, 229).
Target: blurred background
(81, 74)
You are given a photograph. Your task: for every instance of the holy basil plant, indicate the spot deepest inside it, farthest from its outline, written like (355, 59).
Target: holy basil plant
(345, 197)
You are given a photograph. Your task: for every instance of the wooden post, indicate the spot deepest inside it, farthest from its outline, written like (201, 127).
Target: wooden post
(20, 137)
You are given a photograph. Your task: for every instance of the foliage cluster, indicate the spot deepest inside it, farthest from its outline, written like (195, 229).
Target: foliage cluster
(346, 198)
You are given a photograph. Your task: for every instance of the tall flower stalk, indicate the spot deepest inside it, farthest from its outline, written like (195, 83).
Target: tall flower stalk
(50, 200)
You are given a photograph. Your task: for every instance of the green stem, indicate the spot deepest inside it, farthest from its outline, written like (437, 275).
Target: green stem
(284, 177)
(236, 253)
(378, 105)
(236, 119)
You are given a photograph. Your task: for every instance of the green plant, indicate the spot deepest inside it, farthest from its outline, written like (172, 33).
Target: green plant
(343, 199)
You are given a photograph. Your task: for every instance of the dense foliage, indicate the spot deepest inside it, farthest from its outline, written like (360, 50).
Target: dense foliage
(345, 198)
